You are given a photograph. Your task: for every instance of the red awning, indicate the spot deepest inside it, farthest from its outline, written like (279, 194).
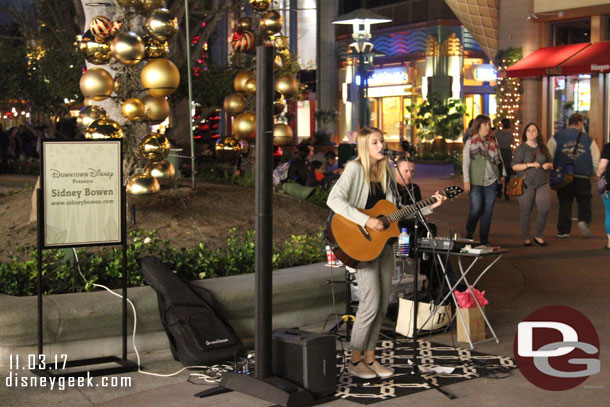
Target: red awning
(544, 61)
(594, 59)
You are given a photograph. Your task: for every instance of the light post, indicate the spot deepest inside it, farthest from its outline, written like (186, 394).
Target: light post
(362, 52)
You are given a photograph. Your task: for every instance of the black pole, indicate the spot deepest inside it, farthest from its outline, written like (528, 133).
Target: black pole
(264, 209)
(124, 240)
(40, 222)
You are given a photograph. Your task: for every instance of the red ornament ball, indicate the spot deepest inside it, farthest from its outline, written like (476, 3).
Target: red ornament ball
(242, 41)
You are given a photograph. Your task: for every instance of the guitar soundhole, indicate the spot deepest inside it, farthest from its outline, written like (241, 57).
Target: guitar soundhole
(365, 233)
(384, 219)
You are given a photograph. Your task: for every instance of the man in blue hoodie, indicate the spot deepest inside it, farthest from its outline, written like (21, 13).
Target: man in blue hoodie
(561, 147)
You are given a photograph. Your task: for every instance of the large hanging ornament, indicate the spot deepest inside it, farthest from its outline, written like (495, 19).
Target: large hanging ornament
(128, 48)
(163, 171)
(88, 115)
(234, 103)
(160, 77)
(95, 52)
(148, 5)
(242, 41)
(250, 86)
(287, 85)
(227, 149)
(154, 147)
(244, 125)
(244, 24)
(96, 83)
(282, 134)
(155, 108)
(279, 102)
(133, 109)
(271, 22)
(162, 24)
(260, 5)
(239, 83)
(155, 48)
(142, 189)
(100, 27)
(104, 128)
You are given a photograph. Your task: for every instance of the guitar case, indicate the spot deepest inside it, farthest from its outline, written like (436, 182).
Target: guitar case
(196, 333)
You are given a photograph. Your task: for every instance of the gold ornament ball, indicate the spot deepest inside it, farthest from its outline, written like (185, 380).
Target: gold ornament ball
(234, 103)
(93, 51)
(271, 22)
(227, 148)
(163, 171)
(287, 85)
(281, 42)
(142, 189)
(244, 23)
(250, 86)
(154, 147)
(239, 83)
(279, 102)
(155, 108)
(260, 5)
(88, 115)
(160, 77)
(96, 84)
(104, 128)
(133, 109)
(156, 48)
(282, 134)
(148, 5)
(162, 24)
(244, 125)
(128, 48)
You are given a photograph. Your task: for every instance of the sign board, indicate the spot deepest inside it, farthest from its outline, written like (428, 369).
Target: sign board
(389, 76)
(82, 192)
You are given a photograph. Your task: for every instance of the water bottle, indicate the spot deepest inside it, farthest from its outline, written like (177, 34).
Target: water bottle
(403, 243)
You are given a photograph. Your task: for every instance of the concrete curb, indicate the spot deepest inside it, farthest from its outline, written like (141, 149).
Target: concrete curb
(89, 324)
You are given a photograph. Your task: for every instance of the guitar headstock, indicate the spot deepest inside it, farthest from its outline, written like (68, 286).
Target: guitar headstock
(452, 191)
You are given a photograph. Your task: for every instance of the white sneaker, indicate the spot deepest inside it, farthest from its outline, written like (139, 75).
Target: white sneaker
(380, 370)
(361, 370)
(584, 228)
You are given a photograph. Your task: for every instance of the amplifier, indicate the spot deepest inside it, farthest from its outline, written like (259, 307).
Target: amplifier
(306, 359)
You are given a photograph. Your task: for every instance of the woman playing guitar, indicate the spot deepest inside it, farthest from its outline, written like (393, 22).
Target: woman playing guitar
(364, 182)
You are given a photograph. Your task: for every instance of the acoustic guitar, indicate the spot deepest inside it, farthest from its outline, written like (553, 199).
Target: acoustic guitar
(353, 243)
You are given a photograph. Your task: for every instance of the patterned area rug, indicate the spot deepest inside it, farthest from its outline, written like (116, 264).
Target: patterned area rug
(467, 365)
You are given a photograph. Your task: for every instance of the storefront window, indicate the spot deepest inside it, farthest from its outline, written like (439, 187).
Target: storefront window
(392, 116)
(570, 94)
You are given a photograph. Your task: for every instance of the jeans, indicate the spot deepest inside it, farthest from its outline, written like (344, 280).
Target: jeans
(606, 200)
(481, 206)
(580, 189)
(542, 197)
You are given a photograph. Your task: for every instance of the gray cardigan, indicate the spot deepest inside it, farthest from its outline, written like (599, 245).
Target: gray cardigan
(351, 192)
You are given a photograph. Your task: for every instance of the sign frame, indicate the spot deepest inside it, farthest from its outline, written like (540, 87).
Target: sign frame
(117, 186)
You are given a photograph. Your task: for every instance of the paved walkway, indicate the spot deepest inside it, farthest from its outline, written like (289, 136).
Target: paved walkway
(572, 272)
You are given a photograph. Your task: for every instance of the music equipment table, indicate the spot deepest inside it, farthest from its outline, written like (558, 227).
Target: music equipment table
(495, 255)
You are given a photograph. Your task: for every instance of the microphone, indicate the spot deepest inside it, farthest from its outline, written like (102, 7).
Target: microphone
(392, 153)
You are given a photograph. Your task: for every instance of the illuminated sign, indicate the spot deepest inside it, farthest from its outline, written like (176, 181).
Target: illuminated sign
(389, 76)
(388, 91)
(485, 72)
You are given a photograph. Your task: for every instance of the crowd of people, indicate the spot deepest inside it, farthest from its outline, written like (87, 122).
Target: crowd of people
(488, 163)
(20, 142)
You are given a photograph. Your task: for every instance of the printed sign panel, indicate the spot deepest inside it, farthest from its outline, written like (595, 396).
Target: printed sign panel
(82, 185)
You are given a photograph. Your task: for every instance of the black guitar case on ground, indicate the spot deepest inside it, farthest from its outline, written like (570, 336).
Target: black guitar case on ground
(197, 335)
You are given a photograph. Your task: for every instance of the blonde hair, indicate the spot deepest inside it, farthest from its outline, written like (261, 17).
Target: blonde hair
(380, 172)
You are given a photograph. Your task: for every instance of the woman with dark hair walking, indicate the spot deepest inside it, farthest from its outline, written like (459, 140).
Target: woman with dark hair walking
(531, 162)
(481, 161)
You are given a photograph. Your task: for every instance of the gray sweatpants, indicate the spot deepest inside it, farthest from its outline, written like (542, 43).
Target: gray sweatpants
(542, 196)
(374, 281)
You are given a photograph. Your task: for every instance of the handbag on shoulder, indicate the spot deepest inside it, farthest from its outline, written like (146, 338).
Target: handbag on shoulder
(515, 187)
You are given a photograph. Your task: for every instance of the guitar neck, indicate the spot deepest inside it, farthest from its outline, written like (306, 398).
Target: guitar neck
(410, 209)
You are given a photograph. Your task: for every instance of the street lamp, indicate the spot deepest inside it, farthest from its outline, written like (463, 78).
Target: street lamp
(362, 50)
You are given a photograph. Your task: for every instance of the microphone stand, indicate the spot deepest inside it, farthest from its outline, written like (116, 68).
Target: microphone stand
(419, 219)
